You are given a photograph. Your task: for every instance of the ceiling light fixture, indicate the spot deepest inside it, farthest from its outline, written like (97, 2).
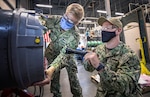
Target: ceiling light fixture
(118, 13)
(43, 5)
(86, 21)
(103, 11)
(82, 28)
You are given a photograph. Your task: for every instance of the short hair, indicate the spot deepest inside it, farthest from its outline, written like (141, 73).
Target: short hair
(77, 10)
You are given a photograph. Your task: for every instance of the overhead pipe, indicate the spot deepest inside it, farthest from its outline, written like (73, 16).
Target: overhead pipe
(107, 7)
(17, 3)
(132, 4)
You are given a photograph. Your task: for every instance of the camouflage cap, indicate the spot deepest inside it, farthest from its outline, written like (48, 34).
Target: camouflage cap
(113, 20)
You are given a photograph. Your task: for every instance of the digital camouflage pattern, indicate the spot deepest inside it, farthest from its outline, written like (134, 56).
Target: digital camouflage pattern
(121, 73)
(55, 53)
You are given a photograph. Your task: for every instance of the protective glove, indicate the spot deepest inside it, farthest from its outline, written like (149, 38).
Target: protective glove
(48, 76)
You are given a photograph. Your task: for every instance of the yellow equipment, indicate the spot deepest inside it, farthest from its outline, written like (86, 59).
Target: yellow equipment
(144, 69)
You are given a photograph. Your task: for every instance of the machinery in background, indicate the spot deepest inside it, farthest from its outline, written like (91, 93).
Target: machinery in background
(144, 69)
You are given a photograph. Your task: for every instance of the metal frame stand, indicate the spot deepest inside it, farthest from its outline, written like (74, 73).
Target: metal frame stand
(18, 92)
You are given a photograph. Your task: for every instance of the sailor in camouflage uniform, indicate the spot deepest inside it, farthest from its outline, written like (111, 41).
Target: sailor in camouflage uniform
(117, 65)
(63, 34)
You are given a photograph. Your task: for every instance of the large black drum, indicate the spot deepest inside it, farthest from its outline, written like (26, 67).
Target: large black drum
(21, 49)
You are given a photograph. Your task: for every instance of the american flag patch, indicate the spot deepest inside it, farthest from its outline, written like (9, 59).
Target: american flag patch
(46, 36)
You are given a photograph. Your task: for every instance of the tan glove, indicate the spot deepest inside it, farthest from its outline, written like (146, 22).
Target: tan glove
(49, 72)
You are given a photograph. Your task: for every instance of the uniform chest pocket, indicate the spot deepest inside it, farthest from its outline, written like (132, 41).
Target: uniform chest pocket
(62, 42)
(113, 63)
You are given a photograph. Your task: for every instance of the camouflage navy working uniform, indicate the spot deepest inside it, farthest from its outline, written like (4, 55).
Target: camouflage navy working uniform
(120, 75)
(56, 56)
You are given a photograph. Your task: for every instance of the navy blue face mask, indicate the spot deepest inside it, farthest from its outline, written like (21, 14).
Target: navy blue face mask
(65, 24)
(106, 36)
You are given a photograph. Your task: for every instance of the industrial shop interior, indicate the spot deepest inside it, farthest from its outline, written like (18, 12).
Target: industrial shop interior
(32, 53)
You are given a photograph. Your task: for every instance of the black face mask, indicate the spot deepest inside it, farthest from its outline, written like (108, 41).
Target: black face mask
(106, 36)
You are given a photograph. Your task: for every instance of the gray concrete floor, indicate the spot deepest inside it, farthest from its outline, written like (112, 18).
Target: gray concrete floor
(88, 87)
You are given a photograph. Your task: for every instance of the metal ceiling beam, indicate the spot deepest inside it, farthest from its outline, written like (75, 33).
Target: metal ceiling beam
(107, 7)
(17, 3)
(99, 4)
(59, 1)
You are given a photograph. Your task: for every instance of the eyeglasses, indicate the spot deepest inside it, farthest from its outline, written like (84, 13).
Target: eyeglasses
(70, 21)
(109, 27)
